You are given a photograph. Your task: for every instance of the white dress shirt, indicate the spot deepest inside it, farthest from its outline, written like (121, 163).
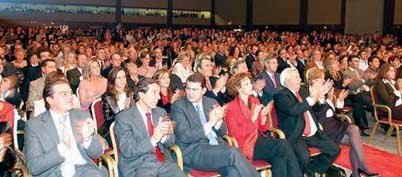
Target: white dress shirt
(313, 126)
(72, 155)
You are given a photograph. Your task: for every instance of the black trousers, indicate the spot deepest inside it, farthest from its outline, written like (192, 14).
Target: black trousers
(360, 103)
(228, 161)
(321, 163)
(279, 154)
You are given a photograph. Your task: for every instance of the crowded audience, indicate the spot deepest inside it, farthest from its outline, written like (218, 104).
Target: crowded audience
(191, 87)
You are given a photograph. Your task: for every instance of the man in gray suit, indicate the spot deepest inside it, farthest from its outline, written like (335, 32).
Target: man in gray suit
(61, 141)
(143, 134)
(360, 96)
(199, 132)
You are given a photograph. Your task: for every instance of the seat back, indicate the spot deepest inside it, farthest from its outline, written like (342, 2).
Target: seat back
(97, 112)
(272, 117)
(379, 109)
(115, 149)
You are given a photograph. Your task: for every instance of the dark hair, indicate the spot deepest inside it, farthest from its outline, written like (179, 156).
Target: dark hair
(197, 77)
(351, 57)
(111, 79)
(54, 76)
(48, 89)
(45, 62)
(371, 59)
(142, 86)
(382, 72)
(393, 58)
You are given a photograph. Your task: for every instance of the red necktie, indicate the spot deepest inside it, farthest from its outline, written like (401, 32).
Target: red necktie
(307, 128)
(158, 153)
(273, 80)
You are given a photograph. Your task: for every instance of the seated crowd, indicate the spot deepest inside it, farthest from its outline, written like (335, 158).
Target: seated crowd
(192, 88)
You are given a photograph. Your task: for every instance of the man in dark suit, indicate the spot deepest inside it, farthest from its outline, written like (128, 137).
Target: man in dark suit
(271, 79)
(282, 60)
(74, 76)
(297, 121)
(32, 73)
(220, 57)
(143, 134)
(215, 86)
(115, 60)
(251, 57)
(199, 131)
(301, 63)
(61, 141)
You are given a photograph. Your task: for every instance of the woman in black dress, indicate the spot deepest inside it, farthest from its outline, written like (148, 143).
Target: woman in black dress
(339, 131)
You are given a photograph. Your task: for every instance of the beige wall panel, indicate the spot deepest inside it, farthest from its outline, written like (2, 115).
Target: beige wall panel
(57, 17)
(92, 2)
(398, 12)
(364, 16)
(324, 12)
(144, 20)
(283, 12)
(189, 21)
(162, 4)
(230, 11)
(192, 4)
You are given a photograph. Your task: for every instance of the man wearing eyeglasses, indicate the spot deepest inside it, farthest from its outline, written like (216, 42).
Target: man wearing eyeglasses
(61, 141)
(199, 131)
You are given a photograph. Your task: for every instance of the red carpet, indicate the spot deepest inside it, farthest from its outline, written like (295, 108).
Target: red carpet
(380, 161)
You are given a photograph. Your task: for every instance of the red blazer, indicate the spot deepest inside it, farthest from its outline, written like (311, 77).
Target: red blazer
(240, 126)
(7, 113)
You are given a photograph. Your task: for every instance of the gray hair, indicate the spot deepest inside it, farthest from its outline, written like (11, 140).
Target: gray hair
(286, 73)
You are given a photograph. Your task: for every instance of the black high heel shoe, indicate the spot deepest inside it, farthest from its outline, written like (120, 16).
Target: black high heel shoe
(364, 173)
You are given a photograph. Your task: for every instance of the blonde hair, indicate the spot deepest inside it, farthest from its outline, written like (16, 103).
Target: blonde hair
(86, 71)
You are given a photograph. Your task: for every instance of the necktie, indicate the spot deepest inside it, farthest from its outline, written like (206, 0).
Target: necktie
(158, 153)
(211, 136)
(273, 80)
(357, 75)
(208, 84)
(307, 128)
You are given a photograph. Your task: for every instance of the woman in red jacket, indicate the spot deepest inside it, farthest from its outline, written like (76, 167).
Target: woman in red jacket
(246, 121)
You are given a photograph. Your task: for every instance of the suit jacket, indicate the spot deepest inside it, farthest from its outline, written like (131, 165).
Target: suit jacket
(73, 77)
(282, 64)
(41, 140)
(385, 93)
(134, 143)
(291, 114)
(221, 98)
(32, 73)
(220, 59)
(250, 60)
(35, 92)
(189, 130)
(301, 68)
(357, 79)
(269, 89)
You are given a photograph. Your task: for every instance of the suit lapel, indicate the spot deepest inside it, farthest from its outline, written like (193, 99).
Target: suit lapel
(137, 120)
(192, 112)
(206, 108)
(50, 127)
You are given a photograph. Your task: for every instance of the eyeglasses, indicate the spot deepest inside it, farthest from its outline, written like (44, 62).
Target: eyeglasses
(64, 93)
(193, 89)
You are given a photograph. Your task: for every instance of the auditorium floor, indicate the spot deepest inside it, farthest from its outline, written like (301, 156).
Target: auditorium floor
(378, 141)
